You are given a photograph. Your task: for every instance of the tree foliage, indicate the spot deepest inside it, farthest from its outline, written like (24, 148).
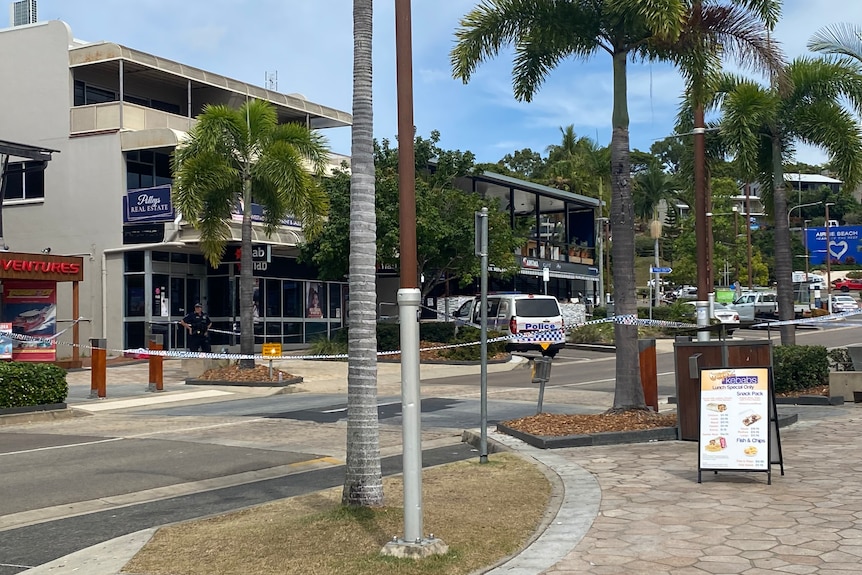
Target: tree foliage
(444, 219)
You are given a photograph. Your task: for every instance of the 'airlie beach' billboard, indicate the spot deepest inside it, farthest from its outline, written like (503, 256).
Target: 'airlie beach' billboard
(844, 245)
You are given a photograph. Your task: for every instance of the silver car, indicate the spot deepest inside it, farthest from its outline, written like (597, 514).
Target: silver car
(725, 315)
(842, 303)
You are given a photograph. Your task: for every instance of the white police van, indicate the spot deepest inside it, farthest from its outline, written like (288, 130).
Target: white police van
(534, 322)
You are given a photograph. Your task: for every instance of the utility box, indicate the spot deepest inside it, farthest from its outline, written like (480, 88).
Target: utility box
(692, 356)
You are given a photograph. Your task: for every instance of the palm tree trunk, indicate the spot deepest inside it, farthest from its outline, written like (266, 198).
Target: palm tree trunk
(363, 482)
(246, 280)
(628, 393)
(783, 253)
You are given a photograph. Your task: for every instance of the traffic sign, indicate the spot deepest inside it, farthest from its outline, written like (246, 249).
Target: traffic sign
(655, 270)
(271, 349)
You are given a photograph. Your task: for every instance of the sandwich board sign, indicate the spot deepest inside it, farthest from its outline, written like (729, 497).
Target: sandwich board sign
(738, 428)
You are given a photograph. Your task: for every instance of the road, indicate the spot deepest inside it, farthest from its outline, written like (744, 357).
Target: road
(70, 484)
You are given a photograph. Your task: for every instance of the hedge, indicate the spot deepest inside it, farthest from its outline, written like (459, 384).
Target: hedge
(797, 367)
(24, 384)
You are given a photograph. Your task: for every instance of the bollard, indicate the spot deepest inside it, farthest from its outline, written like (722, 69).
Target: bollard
(98, 365)
(649, 372)
(156, 364)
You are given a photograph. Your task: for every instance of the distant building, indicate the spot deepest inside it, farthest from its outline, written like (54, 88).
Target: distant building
(22, 12)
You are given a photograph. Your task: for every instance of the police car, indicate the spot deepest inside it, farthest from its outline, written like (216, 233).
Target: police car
(533, 322)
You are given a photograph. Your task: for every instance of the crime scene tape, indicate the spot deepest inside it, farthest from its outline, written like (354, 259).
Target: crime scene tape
(628, 319)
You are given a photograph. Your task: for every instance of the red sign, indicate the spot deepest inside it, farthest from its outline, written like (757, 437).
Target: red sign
(41, 267)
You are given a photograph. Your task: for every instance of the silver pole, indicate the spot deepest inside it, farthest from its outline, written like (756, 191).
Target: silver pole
(482, 244)
(600, 300)
(408, 315)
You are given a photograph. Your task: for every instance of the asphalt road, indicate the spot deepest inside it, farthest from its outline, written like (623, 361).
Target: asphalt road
(57, 469)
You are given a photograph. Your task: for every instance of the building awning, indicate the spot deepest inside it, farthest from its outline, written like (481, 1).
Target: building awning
(560, 274)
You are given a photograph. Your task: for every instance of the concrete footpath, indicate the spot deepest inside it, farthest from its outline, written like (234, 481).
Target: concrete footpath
(622, 509)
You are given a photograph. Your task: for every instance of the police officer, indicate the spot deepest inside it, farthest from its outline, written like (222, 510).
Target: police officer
(198, 324)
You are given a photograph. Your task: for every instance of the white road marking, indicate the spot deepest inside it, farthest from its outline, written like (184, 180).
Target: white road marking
(153, 400)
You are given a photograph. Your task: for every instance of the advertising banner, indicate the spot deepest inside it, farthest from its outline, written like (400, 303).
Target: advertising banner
(5, 341)
(257, 215)
(148, 205)
(844, 245)
(734, 419)
(31, 308)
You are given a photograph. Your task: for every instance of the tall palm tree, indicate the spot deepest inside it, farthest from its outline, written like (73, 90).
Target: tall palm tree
(363, 482)
(650, 188)
(713, 29)
(578, 164)
(544, 33)
(244, 156)
(760, 125)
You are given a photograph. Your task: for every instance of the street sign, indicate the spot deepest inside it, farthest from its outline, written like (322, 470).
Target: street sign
(271, 349)
(655, 270)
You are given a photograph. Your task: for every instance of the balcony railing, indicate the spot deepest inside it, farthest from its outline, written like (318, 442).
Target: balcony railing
(107, 117)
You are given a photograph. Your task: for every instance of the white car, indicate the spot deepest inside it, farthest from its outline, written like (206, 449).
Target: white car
(842, 303)
(725, 315)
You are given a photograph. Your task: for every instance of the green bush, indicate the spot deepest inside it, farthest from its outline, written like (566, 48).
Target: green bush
(470, 334)
(839, 359)
(442, 331)
(797, 367)
(592, 333)
(600, 312)
(855, 274)
(324, 346)
(388, 337)
(23, 384)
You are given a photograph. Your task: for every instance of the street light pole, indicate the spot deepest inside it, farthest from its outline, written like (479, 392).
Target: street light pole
(748, 232)
(805, 244)
(828, 262)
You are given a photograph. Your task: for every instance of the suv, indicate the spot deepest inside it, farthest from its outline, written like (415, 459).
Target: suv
(533, 322)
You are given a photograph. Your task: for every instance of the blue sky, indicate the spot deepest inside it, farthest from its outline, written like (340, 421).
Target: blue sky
(308, 44)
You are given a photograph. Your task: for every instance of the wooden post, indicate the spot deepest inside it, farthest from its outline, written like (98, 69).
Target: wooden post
(76, 358)
(649, 372)
(98, 366)
(156, 364)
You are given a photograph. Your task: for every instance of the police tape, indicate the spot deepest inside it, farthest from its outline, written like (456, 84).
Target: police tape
(832, 317)
(535, 337)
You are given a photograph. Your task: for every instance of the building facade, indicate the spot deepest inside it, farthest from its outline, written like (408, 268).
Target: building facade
(114, 115)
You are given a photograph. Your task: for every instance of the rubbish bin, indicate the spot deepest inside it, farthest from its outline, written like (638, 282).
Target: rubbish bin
(690, 356)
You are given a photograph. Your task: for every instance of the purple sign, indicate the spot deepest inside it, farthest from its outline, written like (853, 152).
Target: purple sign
(845, 246)
(148, 205)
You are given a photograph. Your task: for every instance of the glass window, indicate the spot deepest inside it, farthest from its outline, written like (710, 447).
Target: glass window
(134, 261)
(25, 180)
(134, 335)
(335, 300)
(315, 330)
(135, 297)
(273, 297)
(292, 332)
(161, 256)
(219, 297)
(179, 257)
(292, 298)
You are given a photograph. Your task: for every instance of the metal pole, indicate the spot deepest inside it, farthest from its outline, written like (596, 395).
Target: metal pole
(598, 301)
(409, 296)
(748, 232)
(805, 244)
(828, 263)
(482, 231)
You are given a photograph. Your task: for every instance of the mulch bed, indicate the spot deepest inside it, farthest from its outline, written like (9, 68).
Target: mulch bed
(235, 373)
(558, 425)
(816, 390)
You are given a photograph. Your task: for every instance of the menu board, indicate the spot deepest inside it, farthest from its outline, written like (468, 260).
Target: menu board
(734, 419)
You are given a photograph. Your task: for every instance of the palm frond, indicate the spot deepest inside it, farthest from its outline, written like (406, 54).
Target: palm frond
(843, 39)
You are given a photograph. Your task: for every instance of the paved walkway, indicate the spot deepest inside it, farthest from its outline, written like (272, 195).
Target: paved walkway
(638, 509)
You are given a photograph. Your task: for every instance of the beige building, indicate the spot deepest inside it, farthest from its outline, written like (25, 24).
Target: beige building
(113, 115)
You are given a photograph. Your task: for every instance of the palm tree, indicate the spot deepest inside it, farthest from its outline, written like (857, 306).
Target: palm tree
(363, 482)
(578, 164)
(715, 28)
(544, 33)
(843, 39)
(650, 188)
(760, 125)
(239, 157)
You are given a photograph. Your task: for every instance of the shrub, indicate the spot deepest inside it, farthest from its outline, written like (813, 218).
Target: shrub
(388, 337)
(855, 274)
(23, 384)
(798, 367)
(592, 333)
(469, 334)
(442, 331)
(839, 359)
(323, 346)
(600, 312)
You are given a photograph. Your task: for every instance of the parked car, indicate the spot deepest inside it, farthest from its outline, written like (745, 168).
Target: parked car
(842, 303)
(756, 304)
(847, 284)
(534, 321)
(724, 314)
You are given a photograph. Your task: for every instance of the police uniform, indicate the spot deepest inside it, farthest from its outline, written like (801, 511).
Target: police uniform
(197, 325)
